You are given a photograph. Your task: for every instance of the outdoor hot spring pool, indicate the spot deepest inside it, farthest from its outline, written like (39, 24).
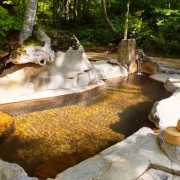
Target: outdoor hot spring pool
(56, 133)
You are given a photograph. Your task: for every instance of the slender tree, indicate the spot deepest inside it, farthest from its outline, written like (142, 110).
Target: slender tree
(29, 19)
(67, 3)
(56, 13)
(108, 22)
(126, 20)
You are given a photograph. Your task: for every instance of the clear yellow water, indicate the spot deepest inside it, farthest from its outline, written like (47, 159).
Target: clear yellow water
(49, 137)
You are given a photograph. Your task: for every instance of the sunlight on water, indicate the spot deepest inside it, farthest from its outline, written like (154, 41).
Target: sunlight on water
(48, 141)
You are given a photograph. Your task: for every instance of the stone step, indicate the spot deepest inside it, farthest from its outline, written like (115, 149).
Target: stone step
(169, 69)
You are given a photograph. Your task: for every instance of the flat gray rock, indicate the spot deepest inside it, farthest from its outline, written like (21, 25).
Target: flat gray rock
(109, 69)
(163, 77)
(10, 171)
(172, 84)
(154, 174)
(127, 160)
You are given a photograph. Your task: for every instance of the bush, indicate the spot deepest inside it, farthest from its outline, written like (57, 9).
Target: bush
(8, 22)
(95, 36)
(157, 34)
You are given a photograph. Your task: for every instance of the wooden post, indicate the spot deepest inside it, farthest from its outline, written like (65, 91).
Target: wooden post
(127, 53)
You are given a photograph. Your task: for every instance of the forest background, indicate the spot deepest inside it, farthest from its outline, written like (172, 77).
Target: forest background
(155, 24)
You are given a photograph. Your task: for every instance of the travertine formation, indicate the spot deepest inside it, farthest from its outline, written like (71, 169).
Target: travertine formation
(70, 72)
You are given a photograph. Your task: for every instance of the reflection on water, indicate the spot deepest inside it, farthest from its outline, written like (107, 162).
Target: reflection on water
(53, 138)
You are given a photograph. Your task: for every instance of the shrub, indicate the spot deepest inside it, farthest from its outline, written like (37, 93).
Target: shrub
(8, 22)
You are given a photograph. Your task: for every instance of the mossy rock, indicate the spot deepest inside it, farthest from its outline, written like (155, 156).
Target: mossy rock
(7, 125)
(62, 40)
(31, 41)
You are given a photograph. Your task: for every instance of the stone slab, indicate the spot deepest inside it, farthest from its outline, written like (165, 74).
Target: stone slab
(172, 84)
(128, 160)
(10, 171)
(162, 77)
(154, 174)
(109, 69)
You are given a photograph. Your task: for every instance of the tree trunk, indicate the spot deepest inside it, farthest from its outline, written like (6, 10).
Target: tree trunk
(35, 53)
(126, 21)
(29, 19)
(86, 10)
(79, 10)
(67, 9)
(56, 13)
(109, 24)
(75, 10)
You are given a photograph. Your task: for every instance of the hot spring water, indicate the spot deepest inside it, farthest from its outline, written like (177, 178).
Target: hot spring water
(56, 133)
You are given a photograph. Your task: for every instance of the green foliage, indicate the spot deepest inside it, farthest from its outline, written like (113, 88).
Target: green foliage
(167, 26)
(95, 36)
(95, 33)
(9, 22)
(154, 24)
(118, 22)
(156, 30)
(6, 21)
(136, 24)
(44, 11)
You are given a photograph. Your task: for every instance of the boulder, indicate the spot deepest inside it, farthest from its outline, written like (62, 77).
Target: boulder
(109, 69)
(86, 78)
(36, 49)
(70, 63)
(33, 54)
(12, 171)
(25, 81)
(127, 53)
(133, 67)
(166, 112)
(172, 84)
(150, 67)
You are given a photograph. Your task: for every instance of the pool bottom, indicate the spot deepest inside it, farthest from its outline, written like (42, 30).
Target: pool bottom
(49, 139)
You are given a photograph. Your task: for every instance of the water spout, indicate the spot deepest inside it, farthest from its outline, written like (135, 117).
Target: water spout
(139, 67)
